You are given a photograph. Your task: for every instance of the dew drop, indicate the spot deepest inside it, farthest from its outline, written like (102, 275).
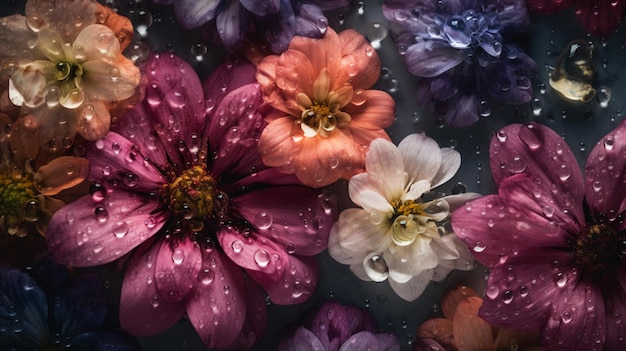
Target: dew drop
(479, 247)
(262, 258)
(560, 279)
(206, 276)
(237, 246)
(102, 215)
(531, 136)
(263, 220)
(376, 267)
(604, 96)
(178, 256)
(120, 229)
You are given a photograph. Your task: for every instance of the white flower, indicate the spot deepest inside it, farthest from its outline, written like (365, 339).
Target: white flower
(396, 235)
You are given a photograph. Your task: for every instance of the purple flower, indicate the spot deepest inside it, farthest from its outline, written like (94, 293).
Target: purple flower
(50, 310)
(335, 327)
(181, 180)
(463, 52)
(276, 21)
(553, 239)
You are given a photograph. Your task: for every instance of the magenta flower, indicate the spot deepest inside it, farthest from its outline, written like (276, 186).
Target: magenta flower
(335, 327)
(180, 180)
(553, 239)
(600, 18)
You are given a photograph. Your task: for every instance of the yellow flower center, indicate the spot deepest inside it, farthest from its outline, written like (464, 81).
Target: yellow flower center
(405, 229)
(18, 201)
(319, 117)
(191, 196)
(69, 76)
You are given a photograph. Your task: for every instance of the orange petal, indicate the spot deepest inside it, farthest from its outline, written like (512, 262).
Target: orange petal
(276, 143)
(23, 132)
(360, 60)
(471, 333)
(322, 53)
(371, 109)
(60, 174)
(93, 120)
(295, 74)
(452, 298)
(440, 330)
(120, 25)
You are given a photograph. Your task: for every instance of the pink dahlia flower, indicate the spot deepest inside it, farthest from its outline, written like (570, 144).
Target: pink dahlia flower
(181, 181)
(553, 239)
(326, 114)
(600, 18)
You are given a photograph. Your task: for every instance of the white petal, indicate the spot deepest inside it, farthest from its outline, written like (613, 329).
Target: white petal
(358, 235)
(368, 182)
(405, 262)
(421, 155)
(450, 163)
(372, 201)
(458, 200)
(384, 160)
(416, 190)
(412, 289)
(96, 42)
(336, 251)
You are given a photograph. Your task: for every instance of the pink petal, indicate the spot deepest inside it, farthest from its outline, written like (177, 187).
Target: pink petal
(365, 340)
(547, 7)
(296, 285)
(523, 292)
(599, 18)
(615, 302)
(232, 74)
(60, 14)
(295, 74)
(256, 318)
(174, 100)
(89, 233)
(539, 152)
(143, 311)
(117, 160)
(604, 185)
(322, 53)
(217, 306)
(493, 231)
(176, 268)
(266, 77)
(254, 252)
(233, 132)
(297, 217)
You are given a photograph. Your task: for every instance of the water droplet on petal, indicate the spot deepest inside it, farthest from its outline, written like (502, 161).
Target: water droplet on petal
(376, 267)
(237, 246)
(178, 256)
(120, 229)
(263, 220)
(262, 258)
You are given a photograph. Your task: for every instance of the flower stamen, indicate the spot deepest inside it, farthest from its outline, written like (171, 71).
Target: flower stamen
(18, 201)
(599, 247)
(191, 195)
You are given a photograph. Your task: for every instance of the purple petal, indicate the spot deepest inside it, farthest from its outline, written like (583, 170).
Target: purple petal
(296, 285)
(310, 21)
(494, 231)
(512, 15)
(176, 268)
(461, 111)
(327, 5)
(523, 292)
(301, 340)
(143, 311)
(432, 58)
(297, 217)
(280, 29)
(367, 341)
(232, 25)
(541, 153)
(508, 80)
(175, 103)
(194, 13)
(217, 307)
(117, 160)
(615, 302)
(230, 75)
(261, 8)
(334, 323)
(89, 233)
(605, 169)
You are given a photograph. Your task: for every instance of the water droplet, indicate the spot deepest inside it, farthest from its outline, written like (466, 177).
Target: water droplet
(358, 97)
(507, 296)
(178, 256)
(479, 247)
(537, 106)
(375, 33)
(206, 276)
(516, 165)
(262, 258)
(102, 215)
(531, 136)
(155, 301)
(130, 179)
(560, 279)
(120, 229)
(376, 267)
(604, 96)
(142, 20)
(237, 246)
(263, 220)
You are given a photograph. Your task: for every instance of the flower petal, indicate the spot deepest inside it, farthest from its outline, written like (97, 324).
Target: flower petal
(194, 13)
(62, 15)
(217, 307)
(413, 288)
(143, 311)
(406, 262)
(422, 157)
(301, 339)
(470, 331)
(232, 25)
(450, 164)
(370, 109)
(604, 171)
(96, 42)
(429, 58)
(253, 252)
(280, 28)
(322, 53)
(89, 233)
(61, 173)
(359, 235)
(599, 18)
(298, 218)
(176, 268)
(110, 81)
(358, 56)
(276, 144)
(297, 283)
(372, 193)
(256, 318)
(365, 340)
(385, 161)
(261, 8)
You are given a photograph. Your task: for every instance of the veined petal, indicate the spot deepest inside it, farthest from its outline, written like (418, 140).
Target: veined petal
(470, 331)
(371, 110)
(27, 85)
(194, 13)
(422, 157)
(110, 81)
(63, 15)
(143, 311)
(261, 8)
(450, 164)
(358, 56)
(385, 161)
(322, 53)
(365, 183)
(176, 268)
(254, 252)
(406, 262)
(359, 234)
(280, 28)
(365, 340)
(61, 173)
(232, 24)
(96, 42)
(253, 328)
(277, 144)
(301, 339)
(430, 58)
(413, 288)
(89, 232)
(297, 283)
(217, 307)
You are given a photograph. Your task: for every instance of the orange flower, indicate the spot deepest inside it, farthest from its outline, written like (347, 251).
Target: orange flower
(325, 116)
(462, 329)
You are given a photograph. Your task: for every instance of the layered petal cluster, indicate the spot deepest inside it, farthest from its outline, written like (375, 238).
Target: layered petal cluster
(552, 238)
(335, 327)
(180, 181)
(49, 309)
(601, 18)
(398, 232)
(325, 114)
(461, 329)
(64, 65)
(465, 53)
(31, 179)
(275, 22)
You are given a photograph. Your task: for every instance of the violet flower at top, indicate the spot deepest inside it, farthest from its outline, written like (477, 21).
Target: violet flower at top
(334, 327)
(464, 52)
(553, 239)
(49, 309)
(275, 21)
(601, 18)
(181, 181)
(325, 114)
(64, 65)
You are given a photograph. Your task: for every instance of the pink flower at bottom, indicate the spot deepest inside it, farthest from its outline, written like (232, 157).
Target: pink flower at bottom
(600, 18)
(180, 180)
(553, 240)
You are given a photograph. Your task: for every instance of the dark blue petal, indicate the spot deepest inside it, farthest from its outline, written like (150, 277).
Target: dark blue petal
(80, 307)
(232, 25)
(279, 30)
(508, 80)
(104, 341)
(310, 21)
(23, 309)
(261, 8)
(462, 111)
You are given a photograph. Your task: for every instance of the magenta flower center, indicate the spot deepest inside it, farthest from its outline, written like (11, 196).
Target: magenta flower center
(18, 201)
(599, 247)
(191, 195)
